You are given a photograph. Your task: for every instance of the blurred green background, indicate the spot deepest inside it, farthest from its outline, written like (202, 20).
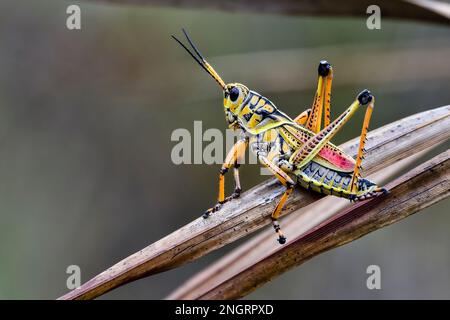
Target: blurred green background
(86, 118)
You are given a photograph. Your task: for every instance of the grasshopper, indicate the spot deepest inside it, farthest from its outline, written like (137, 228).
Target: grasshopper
(292, 148)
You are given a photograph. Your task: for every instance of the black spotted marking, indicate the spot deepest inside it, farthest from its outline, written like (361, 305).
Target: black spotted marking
(332, 182)
(282, 142)
(346, 182)
(320, 173)
(329, 178)
(266, 114)
(337, 179)
(253, 105)
(364, 184)
(311, 169)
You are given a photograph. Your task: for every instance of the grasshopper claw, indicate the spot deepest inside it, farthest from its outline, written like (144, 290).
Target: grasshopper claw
(208, 212)
(282, 239)
(236, 194)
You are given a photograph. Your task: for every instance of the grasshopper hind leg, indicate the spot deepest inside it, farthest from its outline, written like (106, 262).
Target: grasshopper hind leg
(362, 189)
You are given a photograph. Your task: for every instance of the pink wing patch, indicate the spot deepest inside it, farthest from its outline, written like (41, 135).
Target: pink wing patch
(339, 160)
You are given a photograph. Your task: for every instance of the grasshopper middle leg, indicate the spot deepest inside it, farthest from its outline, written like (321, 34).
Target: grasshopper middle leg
(287, 181)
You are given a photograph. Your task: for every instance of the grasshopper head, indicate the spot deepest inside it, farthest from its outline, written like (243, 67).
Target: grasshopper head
(234, 95)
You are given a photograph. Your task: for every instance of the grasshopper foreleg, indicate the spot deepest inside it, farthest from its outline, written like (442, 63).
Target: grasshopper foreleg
(233, 159)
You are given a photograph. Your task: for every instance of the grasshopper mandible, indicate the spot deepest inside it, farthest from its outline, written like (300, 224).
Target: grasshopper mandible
(292, 148)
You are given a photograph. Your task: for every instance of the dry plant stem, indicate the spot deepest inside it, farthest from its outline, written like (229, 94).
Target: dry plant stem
(262, 245)
(432, 11)
(412, 192)
(249, 213)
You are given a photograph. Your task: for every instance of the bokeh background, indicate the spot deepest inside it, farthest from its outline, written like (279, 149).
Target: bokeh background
(86, 117)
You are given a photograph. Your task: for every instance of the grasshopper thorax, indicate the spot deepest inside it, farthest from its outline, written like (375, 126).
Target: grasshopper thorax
(234, 95)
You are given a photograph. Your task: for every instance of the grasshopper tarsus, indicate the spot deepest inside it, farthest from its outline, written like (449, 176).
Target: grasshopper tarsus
(282, 239)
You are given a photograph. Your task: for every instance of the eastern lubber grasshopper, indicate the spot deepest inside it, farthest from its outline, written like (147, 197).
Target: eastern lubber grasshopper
(293, 147)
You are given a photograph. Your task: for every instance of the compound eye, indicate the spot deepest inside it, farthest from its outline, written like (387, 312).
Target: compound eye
(234, 94)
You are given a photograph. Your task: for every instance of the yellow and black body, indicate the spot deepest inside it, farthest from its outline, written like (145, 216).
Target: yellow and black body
(293, 148)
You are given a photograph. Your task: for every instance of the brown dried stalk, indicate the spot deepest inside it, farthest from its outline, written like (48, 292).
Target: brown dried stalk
(263, 244)
(412, 192)
(251, 212)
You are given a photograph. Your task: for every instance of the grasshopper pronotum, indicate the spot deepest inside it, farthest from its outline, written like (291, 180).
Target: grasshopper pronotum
(293, 147)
